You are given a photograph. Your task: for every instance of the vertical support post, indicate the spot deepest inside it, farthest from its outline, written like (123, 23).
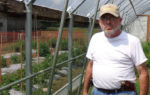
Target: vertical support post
(51, 50)
(70, 54)
(89, 29)
(1, 40)
(13, 42)
(1, 59)
(133, 7)
(28, 39)
(21, 85)
(82, 75)
(70, 46)
(93, 23)
(57, 47)
(5, 22)
(0, 66)
(148, 28)
(38, 53)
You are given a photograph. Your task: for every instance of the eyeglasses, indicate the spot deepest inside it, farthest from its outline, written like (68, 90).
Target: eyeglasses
(110, 18)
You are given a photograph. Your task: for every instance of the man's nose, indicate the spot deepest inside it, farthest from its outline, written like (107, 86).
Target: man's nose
(108, 20)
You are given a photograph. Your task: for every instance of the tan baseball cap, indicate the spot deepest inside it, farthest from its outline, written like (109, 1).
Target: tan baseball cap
(110, 9)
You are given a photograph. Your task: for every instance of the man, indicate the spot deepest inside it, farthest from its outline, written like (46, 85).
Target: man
(114, 55)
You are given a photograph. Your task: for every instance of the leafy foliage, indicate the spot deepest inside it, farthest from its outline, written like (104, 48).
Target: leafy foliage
(18, 44)
(44, 49)
(62, 57)
(64, 44)
(3, 60)
(34, 44)
(15, 46)
(15, 59)
(146, 48)
(53, 42)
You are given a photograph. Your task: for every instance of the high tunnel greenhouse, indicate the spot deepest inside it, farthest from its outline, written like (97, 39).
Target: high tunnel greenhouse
(43, 43)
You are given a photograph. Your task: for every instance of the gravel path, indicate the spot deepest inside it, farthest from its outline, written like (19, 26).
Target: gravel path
(12, 68)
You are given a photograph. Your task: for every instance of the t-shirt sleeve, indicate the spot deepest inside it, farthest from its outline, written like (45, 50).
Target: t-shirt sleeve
(138, 55)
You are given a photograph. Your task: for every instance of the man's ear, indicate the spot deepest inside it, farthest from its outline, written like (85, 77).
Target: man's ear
(99, 21)
(120, 20)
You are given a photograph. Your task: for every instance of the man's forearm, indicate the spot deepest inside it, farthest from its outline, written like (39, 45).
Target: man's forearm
(144, 83)
(143, 78)
(87, 78)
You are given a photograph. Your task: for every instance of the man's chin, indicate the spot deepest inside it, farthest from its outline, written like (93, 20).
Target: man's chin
(109, 32)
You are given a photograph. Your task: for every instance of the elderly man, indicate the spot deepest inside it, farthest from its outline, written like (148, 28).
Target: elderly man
(114, 55)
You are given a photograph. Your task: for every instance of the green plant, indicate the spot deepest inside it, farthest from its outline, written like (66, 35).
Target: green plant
(18, 44)
(52, 28)
(53, 42)
(15, 46)
(15, 59)
(5, 92)
(62, 57)
(44, 49)
(146, 48)
(9, 78)
(23, 56)
(64, 44)
(3, 60)
(34, 44)
(84, 47)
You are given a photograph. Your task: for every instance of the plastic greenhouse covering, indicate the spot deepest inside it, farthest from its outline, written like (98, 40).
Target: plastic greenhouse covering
(129, 9)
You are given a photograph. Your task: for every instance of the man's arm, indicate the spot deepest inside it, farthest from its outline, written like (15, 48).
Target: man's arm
(143, 79)
(87, 77)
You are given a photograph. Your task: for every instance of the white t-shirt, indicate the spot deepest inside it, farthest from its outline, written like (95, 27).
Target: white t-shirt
(114, 59)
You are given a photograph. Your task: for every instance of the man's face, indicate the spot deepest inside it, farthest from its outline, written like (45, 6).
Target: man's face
(109, 23)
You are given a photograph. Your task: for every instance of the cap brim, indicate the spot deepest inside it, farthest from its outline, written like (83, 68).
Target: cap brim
(112, 13)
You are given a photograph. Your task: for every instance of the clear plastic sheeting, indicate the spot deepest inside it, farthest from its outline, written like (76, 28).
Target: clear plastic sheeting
(19, 0)
(52, 4)
(83, 10)
(75, 5)
(87, 8)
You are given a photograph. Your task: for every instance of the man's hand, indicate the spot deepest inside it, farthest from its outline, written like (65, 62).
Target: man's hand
(85, 93)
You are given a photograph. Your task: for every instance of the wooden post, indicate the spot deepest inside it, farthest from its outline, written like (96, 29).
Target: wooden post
(1, 39)
(1, 58)
(13, 41)
(37, 48)
(0, 67)
(148, 28)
